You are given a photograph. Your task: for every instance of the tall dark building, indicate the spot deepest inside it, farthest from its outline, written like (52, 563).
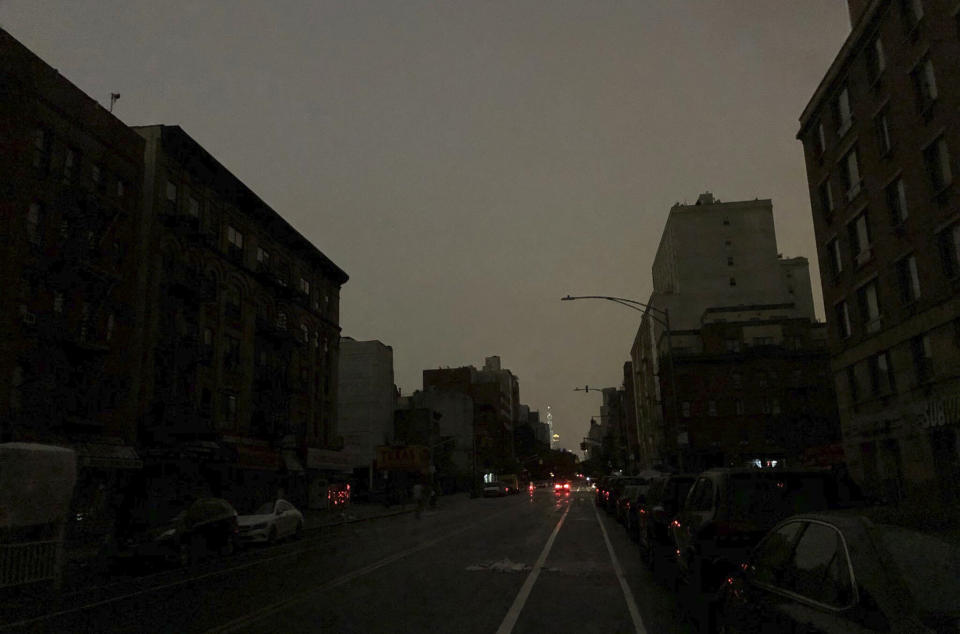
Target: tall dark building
(70, 334)
(881, 136)
(243, 323)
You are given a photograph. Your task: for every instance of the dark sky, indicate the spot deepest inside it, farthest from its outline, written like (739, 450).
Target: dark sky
(468, 163)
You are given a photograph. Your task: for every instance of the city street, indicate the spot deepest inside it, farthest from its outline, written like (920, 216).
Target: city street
(467, 566)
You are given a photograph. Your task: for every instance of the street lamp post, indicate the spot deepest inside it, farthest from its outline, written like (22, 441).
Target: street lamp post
(665, 322)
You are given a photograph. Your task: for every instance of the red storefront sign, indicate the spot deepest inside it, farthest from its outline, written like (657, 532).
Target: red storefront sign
(410, 458)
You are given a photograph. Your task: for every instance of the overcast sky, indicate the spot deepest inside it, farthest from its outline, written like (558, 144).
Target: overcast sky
(469, 163)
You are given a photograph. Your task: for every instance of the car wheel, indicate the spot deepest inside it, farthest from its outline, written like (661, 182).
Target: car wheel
(229, 548)
(190, 550)
(298, 533)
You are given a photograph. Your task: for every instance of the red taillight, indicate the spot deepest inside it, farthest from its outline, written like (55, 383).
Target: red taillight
(566, 486)
(675, 523)
(643, 511)
(556, 486)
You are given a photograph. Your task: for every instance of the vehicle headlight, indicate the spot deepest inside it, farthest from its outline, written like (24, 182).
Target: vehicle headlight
(167, 533)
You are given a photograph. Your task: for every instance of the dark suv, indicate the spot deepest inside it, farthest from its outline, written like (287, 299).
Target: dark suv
(616, 487)
(664, 500)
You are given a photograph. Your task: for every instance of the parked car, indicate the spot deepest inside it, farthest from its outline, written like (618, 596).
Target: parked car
(617, 486)
(602, 490)
(495, 489)
(664, 499)
(628, 500)
(726, 513)
(842, 573)
(207, 525)
(272, 521)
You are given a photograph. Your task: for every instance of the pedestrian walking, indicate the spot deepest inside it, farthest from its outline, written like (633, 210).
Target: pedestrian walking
(418, 498)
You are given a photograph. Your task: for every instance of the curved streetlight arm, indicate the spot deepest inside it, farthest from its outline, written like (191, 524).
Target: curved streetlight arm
(629, 303)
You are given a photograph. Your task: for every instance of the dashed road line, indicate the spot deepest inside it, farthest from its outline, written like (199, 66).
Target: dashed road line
(510, 620)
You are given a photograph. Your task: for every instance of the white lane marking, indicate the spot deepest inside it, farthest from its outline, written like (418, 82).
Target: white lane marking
(627, 594)
(511, 618)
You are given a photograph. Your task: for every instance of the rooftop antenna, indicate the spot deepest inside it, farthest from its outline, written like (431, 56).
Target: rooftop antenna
(113, 99)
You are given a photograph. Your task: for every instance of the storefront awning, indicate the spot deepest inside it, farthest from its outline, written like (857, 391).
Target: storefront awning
(327, 460)
(104, 456)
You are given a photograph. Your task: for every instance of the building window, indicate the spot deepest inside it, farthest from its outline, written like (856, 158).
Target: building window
(852, 383)
(843, 320)
(909, 279)
(193, 207)
(232, 308)
(726, 222)
(775, 407)
(111, 322)
(819, 140)
(842, 112)
(937, 159)
(825, 193)
(263, 258)
(869, 305)
(733, 281)
(206, 346)
(96, 176)
(231, 353)
(739, 407)
(765, 406)
(897, 201)
(121, 188)
(859, 231)
(836, 262)
(851, 174)
(58, 302)
(172, 193)
(729, 260)
(949, 242)
(41, 150)
(712, 408)
(282, 320)
(230, 408)
(34, 223)
(305, 333)
(883, 133)
(685, 409)
(733, 345)
(234, 242)
(737, 379)
(69, 165)
(876, 60)
(881, 374)
(763, 341)
(304, 286)
(924, 84)
(922, 357)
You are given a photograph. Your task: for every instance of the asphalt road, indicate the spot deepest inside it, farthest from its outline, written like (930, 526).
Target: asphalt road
(527, 563)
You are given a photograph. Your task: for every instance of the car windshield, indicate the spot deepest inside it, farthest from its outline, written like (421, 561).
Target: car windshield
(264, 509)
(929, 567)
(764, 498)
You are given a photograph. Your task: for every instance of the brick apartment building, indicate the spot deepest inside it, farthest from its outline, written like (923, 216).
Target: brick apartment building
(753, 387)
(243, 325)
(881, 136)
(70, 340)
